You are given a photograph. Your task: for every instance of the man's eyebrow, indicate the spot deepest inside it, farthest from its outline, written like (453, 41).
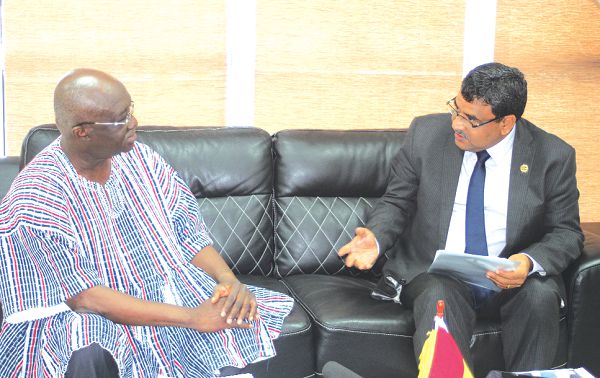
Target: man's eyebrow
(469, 116)
(124, 112)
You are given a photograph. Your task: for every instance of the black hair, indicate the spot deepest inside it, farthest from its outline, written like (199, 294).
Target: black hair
(503, 88)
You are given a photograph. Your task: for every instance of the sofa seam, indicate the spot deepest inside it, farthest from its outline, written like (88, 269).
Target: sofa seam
(305, 330)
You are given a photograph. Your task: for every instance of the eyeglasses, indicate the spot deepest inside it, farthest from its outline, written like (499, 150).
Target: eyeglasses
(456, 113)
(123, 122)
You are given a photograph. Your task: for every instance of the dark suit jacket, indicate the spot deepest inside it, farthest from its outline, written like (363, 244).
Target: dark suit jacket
(412, 218)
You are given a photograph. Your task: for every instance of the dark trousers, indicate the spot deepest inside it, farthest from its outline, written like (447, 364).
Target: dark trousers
(92, 362)
(334, 370)
(529, 317)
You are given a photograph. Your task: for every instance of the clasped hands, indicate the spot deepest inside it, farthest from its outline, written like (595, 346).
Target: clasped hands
(362, 254)
(231, 305)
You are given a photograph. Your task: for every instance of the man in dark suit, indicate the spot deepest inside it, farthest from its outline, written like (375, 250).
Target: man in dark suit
(528, 212)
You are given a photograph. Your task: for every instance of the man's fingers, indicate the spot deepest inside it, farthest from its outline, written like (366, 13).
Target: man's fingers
(244, 310)
(506, 281)
(345, 250)
(230, 301)
(350, 259)
(239, 309)
(358, 261)
(237, 302)
(253, 310)
(220, 291)
(235, 311)
(360, 232)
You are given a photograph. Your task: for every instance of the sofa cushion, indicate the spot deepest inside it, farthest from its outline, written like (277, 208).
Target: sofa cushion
(354, 329)
(325, 183)
(233, 185)
(295, 345)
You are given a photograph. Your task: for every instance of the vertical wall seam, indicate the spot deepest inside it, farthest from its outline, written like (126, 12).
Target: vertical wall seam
(3, 145)
(240, 81)
(480, 33)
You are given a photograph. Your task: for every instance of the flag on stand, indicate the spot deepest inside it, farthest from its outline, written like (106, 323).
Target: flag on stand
(440, 356)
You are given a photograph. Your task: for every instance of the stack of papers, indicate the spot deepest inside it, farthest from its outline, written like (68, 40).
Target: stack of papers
(470, 268)
(557, 373)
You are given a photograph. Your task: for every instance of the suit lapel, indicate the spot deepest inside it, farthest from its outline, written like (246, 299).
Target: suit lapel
(522, 159)
(452, 158)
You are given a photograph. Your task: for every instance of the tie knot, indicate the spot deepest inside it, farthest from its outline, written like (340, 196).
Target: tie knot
(482, 156)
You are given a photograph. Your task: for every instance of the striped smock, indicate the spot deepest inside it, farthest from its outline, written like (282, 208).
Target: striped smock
(61, 234)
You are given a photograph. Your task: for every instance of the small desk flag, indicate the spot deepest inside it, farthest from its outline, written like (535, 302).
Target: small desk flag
(440, 356)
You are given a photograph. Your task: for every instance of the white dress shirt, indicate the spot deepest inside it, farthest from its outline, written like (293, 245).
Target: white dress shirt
(495, 199)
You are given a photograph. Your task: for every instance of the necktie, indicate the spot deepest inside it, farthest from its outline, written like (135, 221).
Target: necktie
(475, 240)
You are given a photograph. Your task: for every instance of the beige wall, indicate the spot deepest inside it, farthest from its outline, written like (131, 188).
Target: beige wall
(355, 64)
(171, 57)
(557, 45)
(334, 64)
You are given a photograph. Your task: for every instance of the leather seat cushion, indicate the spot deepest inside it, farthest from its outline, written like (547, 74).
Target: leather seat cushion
(295, 357)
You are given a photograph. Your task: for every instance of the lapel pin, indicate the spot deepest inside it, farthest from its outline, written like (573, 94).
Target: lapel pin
(524, 168)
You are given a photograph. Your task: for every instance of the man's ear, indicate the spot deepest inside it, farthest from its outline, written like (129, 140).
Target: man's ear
(80, 132)
(508, 122)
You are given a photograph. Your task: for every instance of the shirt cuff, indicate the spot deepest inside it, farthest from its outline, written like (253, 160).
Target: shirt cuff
(535, 268)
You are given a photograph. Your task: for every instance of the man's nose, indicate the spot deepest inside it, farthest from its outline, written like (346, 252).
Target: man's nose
(134, 123)
(458, 124)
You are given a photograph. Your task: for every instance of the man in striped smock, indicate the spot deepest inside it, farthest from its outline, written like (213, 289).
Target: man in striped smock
(106, 266)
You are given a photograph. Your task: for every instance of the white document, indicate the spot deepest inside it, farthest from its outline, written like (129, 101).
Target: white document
(470, 268)
(555, 373)
(559, 373)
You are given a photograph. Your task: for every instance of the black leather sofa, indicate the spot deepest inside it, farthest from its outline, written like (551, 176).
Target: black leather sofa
(279, 207)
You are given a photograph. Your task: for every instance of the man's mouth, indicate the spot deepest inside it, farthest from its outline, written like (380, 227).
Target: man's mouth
(460, 136)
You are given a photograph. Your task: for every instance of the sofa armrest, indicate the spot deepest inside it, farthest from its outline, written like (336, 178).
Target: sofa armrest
(582, 280)
(9, 168)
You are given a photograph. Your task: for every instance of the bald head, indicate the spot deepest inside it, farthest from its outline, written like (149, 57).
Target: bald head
(86, 95)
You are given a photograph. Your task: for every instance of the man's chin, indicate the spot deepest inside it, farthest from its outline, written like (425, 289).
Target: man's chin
(461, 144)
(128, 146)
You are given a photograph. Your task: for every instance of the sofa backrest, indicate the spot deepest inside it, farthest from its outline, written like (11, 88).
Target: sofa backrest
(283, 204)
(325, 183)
(230, 172)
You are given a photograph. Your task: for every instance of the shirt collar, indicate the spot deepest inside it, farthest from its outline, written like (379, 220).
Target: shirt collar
(501, 150)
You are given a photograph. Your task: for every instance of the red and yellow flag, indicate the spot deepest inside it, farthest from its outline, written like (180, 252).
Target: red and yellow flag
(440, 356)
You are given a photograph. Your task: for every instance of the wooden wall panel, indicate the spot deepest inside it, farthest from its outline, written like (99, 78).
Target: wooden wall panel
(557, 45)
(335, 64)
(355, 64)
(170, 55)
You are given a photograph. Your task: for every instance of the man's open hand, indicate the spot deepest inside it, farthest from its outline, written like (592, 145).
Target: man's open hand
(361, 252)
